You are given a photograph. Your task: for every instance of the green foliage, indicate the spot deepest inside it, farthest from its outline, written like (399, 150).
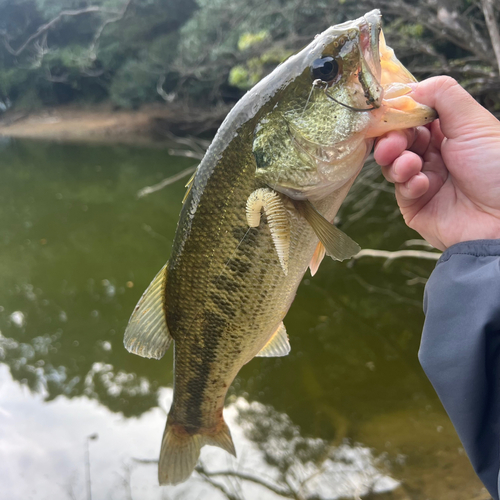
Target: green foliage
(206, 51)
(11, 80)
(415, 30)
(111, 53)
(248, 40)
(29, 100)
(133, 85)
(240, 77)
(245, 76)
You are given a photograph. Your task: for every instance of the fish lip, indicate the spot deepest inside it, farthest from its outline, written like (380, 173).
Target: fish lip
(370, 71)
(370, 39)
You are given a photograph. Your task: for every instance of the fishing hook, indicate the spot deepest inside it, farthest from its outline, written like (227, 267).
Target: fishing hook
(318, 83)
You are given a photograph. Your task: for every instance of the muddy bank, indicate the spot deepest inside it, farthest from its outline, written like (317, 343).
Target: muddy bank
(103, 124)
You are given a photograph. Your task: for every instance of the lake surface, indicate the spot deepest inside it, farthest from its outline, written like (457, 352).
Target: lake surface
(347, 414)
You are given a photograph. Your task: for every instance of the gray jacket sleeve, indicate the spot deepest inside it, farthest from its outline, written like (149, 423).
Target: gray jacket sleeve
(460, 349)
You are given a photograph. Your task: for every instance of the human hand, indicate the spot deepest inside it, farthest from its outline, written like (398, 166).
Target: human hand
(447, 175)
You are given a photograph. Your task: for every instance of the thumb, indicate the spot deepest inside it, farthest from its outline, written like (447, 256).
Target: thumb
(459, 113)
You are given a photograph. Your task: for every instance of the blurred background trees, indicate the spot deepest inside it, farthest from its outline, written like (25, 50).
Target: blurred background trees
(205, 52)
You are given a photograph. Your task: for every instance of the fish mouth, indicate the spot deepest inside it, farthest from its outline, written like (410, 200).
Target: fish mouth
(368, 76)
(381, 60)
(387, 83)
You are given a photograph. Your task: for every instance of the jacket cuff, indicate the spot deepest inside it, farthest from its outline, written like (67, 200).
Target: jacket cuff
(477, 248)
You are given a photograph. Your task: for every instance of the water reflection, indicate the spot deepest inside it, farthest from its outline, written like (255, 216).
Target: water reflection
(72, 242)
(309, 467)
(48, 443)
(78, 248)
(42, 452)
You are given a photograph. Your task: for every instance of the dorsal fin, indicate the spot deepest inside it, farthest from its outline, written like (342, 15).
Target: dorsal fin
(337, 244)
(147, 333)
(277, 345)
(189, 185)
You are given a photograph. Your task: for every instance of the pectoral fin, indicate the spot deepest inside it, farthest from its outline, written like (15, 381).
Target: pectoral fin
(277, 219)
(147, 333)
(277, 345)
(337, 244)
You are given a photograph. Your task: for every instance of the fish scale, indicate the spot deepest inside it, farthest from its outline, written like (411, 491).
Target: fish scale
(293, 148)
(248, 272)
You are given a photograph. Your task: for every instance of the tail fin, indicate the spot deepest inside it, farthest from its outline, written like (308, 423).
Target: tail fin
(179, 453)
(222, 438)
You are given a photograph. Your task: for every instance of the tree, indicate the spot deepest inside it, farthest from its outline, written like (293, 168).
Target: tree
(136, 51)
(58, 51)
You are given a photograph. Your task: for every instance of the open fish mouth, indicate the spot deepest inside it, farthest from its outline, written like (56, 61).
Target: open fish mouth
(388, 85)
(384, 79)
(375, 95)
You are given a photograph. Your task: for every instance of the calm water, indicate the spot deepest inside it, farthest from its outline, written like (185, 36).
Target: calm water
(349, 411)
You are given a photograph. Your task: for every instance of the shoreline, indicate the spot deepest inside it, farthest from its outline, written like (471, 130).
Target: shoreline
(150, 125)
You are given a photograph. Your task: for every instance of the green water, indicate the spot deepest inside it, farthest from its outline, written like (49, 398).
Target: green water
(77, 250)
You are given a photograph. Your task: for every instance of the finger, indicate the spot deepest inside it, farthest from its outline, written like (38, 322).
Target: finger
(437, 136)
(413, 195)
(391, 145)
(421, 141)
(414, 189)
(404, 168)
(433, 161)
(457, 109)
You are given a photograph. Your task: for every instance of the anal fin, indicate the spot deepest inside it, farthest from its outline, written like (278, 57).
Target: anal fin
(317, 258)
(147, 333)
(337, 244)
(277, 345)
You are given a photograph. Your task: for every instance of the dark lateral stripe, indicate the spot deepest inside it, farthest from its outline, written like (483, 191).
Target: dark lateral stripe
(205, 355)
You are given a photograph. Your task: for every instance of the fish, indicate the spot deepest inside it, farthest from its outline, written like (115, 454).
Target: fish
(258, 212)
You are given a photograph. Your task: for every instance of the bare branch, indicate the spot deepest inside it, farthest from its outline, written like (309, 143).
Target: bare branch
(445, 22)
(145, 460)
(186, 153)
(217, 485)
(43, 30)
(45, 27)
(489, 16)
(56, 79)
(417, 242)
(197, 150)
(165, 182)
(159, 88)
(247, 477)
(95, 42)
(399, 254)
(386, 291)
(195, 143)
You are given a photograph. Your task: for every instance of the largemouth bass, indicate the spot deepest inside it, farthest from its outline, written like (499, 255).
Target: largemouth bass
(257, 213)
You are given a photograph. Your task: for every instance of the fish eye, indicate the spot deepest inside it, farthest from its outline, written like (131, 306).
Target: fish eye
(326, 69)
